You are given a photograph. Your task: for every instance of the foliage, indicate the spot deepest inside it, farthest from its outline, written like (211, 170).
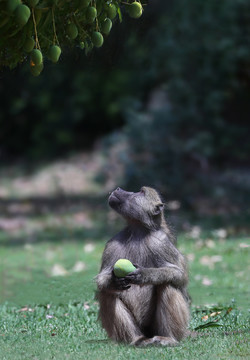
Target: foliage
(45, 26)
(74, 102)
(54, 114)
(198, 50)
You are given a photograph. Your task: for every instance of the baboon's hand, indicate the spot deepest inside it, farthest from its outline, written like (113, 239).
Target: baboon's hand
(120, 283)
(135, 277)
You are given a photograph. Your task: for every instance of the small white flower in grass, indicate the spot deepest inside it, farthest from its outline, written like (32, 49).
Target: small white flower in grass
(244, 246)
(49, 317)
(206, 281)
(88, 248)
(216, 258)
(195, 232)
(220, 233)
(79, 266)
(58, 270)
(210, 243)
(86, 306)
(210, 260)
(26, 309)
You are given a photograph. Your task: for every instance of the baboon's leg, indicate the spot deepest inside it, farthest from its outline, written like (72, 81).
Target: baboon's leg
(172, 316)
(117, 320)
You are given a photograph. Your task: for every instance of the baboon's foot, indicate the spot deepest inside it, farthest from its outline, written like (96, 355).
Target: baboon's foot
(142, 341)
(139, 341)
(164, 341)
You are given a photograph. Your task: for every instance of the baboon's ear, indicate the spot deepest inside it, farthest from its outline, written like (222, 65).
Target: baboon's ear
(158, 209)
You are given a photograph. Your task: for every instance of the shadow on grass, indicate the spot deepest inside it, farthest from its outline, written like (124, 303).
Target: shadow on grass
(97, 341)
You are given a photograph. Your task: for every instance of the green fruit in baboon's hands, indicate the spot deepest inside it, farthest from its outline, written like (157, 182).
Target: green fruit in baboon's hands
(54, 53)
(72, 31)
(106, 26)
(22, 14)
(123, 267)
(36, 57)
(135, 10)
(97, 39)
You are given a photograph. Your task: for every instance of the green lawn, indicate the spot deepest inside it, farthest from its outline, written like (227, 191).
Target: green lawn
(48, 310)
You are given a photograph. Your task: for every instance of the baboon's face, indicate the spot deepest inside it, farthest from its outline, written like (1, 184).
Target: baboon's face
(142, 206)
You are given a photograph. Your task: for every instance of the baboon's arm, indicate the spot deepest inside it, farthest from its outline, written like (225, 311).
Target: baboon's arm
(107, 281)
(170, 274)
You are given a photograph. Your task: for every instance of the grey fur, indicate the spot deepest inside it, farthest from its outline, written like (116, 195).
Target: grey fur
(149, 306)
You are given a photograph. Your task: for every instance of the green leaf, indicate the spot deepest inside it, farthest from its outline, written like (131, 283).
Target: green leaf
(207, 325)
(119, 13)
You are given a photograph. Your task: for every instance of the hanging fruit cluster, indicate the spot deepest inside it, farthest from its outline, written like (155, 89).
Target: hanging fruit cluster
(41, 28)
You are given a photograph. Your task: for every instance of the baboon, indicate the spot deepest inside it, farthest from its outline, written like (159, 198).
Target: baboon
(151, 304)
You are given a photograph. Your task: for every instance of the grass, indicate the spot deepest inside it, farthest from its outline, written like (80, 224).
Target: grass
(49, 316)
(71, 332)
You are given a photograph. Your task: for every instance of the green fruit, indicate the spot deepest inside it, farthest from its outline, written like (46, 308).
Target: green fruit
(135, 10)
(12, 5)
(54, 53)
(36, 69)
(22, 14)
(33, 3)
(123, 267)
(91, 14)
(111, 11)
(29, 45)
(72, 31)
(36, 57)
(82, 45)
(97, 39)
(106, 26)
